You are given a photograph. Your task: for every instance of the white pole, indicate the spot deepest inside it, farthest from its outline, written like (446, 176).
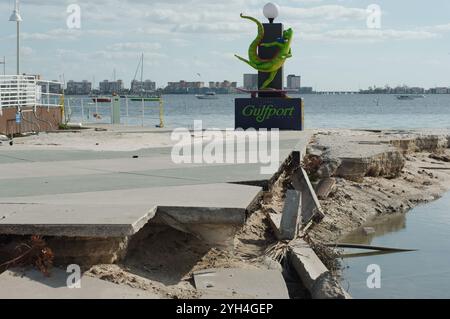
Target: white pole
(126, 106)
(48, 94)
(18, 47)
(111, 110)
(15, 17)
(70, 109)
(82, 110)
(143, 110)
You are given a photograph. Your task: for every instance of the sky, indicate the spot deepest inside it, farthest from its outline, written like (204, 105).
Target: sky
(334, 46)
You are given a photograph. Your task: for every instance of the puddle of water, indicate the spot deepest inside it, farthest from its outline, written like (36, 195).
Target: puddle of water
(421, 274)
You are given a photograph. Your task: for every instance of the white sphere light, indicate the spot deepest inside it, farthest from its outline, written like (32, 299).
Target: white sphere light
(271, 11)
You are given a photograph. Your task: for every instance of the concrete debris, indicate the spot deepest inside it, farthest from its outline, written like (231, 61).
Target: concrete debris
(290, 215)
(31, 284)
(311, 208)
(325, 187)
(251, 284)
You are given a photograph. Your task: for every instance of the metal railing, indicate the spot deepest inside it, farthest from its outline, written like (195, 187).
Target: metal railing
(28, 91)
(132, 111)
(18, 91)
(22, 101)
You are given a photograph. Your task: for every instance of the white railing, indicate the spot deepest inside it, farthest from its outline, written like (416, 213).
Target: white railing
(133, 111)
(17, 91)
(27, 91)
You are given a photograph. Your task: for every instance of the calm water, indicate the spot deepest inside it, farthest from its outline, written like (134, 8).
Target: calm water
(421, 274)
(321, 111)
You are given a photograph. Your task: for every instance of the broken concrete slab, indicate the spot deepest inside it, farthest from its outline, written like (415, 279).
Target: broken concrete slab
(249, 283)
(31, 284)
(290, 215)
(353, 154)
(313, 273)
(311, 207)
(325, 187)
(306, 262)
(124, 212)
(286, 224)
(275, 222)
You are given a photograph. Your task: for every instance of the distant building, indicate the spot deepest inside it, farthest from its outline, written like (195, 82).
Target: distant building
(293, 82)
(251, 81)
(306, 90)
(107, 87)
(53, 88)
(78, 88)
(222, 85)
(184, 87)
(441, 90)
(145, 86)
(396, 90)
(417, 90)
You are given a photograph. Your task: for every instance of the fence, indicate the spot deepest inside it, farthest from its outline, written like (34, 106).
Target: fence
(23, 99)
(133, 111)
(28, 104)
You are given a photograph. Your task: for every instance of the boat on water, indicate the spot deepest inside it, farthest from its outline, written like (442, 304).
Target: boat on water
(101, 99)
(409, 97)
(144, 98)
(140, 94)
(405, 97)
(207, 96)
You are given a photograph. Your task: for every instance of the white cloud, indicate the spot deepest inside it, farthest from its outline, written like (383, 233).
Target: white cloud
(368, 35)
(133, 46)
(326, 12)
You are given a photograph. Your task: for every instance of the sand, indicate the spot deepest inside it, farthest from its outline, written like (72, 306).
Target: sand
(164, 261)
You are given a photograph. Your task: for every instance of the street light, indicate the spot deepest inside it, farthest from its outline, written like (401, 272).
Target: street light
(271, 11)
(15, 17)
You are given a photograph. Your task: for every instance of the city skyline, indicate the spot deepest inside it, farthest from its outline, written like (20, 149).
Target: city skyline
(292, 83)
(195, 40)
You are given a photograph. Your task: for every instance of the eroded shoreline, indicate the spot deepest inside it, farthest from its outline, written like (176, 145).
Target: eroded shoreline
(376, 173)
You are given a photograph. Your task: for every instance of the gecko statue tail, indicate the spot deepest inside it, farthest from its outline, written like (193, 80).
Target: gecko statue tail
(253, 49)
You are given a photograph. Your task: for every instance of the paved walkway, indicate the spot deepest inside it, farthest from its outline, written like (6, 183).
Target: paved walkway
(31, 284)
(73, 192)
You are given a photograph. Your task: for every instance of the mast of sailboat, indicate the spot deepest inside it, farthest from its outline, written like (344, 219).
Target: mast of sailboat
(142, 71)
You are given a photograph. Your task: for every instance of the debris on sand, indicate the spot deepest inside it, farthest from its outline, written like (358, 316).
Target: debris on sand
(165, 259)
(30, 252)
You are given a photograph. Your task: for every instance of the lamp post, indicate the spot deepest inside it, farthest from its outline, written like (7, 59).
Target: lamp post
(271, 11)
(15, 17)
(272, 33)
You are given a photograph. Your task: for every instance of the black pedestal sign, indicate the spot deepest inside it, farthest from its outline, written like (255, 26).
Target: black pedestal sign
(269, 110)
(269, 113)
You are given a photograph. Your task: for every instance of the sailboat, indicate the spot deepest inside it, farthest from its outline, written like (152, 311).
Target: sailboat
(142, 95)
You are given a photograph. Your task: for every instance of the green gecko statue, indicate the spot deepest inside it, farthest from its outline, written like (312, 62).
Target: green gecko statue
(268, 65)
